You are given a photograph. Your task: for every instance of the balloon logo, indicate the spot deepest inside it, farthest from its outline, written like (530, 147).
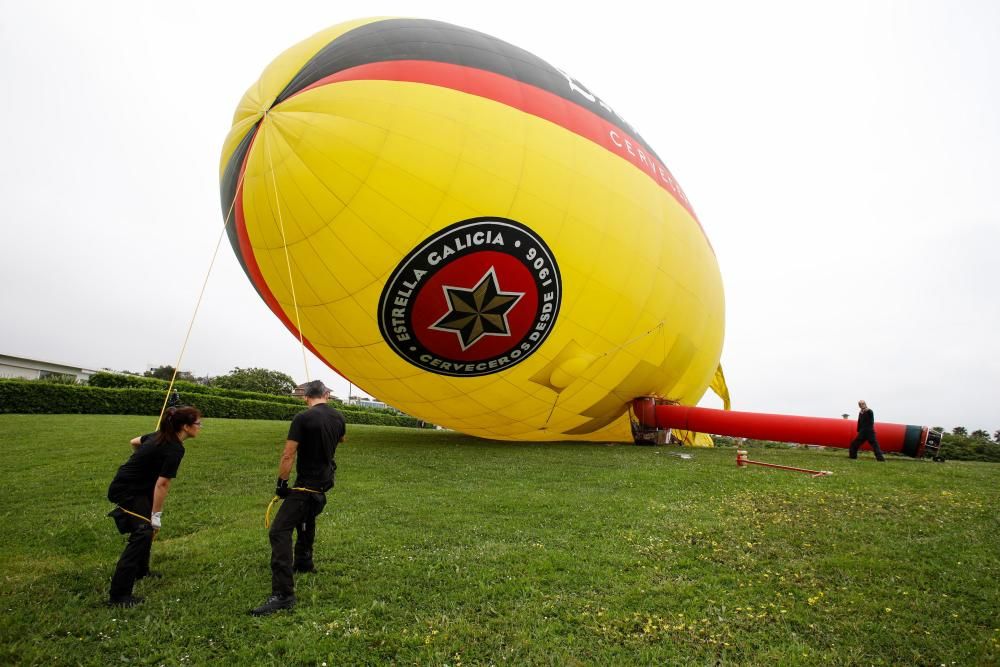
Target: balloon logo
(476, 298)
(469, 233)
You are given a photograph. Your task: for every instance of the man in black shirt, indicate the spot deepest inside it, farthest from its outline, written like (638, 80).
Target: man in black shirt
(312, 439)
(866, 432)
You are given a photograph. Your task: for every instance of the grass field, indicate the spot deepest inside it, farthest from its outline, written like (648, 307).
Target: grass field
(439, 549)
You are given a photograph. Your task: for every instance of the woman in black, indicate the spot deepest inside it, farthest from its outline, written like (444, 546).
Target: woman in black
(138, 491)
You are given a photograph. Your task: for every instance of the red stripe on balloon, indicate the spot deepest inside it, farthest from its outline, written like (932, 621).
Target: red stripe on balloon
(253, 269)
(527, 98)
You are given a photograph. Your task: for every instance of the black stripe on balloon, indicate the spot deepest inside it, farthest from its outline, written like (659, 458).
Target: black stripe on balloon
(421, 39)
(229, 184)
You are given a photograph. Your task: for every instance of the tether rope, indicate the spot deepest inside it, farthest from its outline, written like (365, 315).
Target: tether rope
(267, 512)
(284, 244)
(211, 265)
(187, 337)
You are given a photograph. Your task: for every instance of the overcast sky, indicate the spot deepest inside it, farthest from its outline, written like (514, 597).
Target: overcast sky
(843, 157)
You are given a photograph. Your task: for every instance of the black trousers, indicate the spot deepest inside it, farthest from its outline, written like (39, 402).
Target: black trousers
(869, 437)
(298, 512)
(134, 561)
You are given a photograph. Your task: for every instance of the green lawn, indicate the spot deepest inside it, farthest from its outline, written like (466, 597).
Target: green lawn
(437, 548)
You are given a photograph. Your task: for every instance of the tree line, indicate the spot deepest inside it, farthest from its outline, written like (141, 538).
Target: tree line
(259, 380)
(961, 445)
(978, 434)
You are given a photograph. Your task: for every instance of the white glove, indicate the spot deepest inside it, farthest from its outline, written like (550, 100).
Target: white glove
(155, 519)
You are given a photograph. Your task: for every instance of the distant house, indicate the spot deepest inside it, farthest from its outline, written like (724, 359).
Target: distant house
(359, 401)
(35, 369)
(363, 402)
(300, 392)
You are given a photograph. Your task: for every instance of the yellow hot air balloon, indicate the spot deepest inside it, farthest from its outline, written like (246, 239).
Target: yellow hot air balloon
(469, 234)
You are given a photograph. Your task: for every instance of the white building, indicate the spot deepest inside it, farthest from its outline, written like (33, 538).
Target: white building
(363, 402)
(34, 369)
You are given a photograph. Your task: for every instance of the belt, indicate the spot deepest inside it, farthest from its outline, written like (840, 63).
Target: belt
(267, 512)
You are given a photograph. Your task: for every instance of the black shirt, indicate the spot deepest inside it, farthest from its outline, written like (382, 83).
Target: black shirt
(318, 430)
(138, 475)
(866, 421)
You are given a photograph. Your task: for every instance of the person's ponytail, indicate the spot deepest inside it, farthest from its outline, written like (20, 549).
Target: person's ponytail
(175, 419)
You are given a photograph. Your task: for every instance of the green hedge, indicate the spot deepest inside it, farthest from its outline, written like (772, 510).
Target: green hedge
(965, 448)
(31, 397)
(122, 381)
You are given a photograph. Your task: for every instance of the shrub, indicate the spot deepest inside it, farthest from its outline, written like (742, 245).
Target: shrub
(122, 381)
(260, 380)
(963, 448)
(59, 378)
(29, 397)
(26, 397)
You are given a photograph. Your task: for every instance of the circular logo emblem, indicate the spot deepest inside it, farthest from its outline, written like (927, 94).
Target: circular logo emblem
(473, 299)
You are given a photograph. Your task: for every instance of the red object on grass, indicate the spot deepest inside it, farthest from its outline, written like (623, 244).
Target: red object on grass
(906, 439)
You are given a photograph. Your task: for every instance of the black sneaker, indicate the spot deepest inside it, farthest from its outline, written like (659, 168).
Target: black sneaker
(152, 574)
(305, 570)
(273, 604)
(125, 601)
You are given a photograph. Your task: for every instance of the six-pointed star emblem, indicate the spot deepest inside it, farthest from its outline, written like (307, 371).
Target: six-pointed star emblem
(477, 312)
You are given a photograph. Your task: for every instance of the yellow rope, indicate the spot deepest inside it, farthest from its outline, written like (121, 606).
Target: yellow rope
(138, 516)
(284, 244)
(177, 366)
(267, 512)
(187, 336)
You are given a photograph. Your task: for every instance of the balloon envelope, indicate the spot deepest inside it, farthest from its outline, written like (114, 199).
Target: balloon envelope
(468, 233)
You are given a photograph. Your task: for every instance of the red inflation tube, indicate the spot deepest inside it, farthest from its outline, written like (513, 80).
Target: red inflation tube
(900, 438)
